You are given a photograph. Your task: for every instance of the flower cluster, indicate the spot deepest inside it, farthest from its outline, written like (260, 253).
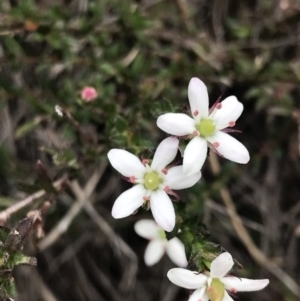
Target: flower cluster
(153, 182)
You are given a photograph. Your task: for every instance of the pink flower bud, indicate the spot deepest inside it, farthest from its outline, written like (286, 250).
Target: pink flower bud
(89, 94)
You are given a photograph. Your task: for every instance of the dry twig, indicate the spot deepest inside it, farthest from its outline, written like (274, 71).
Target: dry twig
(5, 215)
(245, 237)
(65, 222)
(129, 275)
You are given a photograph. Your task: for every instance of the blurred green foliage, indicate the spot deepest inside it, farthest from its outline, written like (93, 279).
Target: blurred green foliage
(11, 245)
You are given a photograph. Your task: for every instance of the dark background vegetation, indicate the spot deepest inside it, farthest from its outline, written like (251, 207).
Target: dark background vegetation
(140, 56)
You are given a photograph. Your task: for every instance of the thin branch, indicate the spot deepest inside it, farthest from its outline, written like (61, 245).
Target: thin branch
(33, 280)
(184, 12)
(65, 222)
(102, 278)
(5, 215)
(223, 210)
(129, 275)
(245, 237)
(70, 251)
(296, 115)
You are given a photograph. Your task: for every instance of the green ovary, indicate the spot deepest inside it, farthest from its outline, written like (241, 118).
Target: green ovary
(151, 180)
(206, 127)
(216, 290)
(162, 234)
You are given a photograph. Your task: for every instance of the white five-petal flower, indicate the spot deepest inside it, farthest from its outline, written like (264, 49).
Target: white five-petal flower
(159, 244)
(206, 127)
(152, 182)
(213, 285)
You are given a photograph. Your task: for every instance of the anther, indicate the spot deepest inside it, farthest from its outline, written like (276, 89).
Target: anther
(132, 179)
(216, 144)
(145, 162)
(233, 290)
(164, 171)
(196, 113)
(231, 123)
(219, 106)
(195, 133)
(209, 289)
(146, 198)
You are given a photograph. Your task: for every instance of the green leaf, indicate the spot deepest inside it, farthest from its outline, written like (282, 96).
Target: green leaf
(43, 178)
(27, 127)
(19, 258)
(13, 46)
(4, 233)
(66, 158)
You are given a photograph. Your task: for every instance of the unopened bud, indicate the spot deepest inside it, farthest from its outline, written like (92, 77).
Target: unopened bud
(89, 94)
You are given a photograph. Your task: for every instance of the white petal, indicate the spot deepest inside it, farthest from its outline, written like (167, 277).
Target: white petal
(176, 252)
(221, 265)
(128, 201)
(176, 179)
(198, 97)
(162, 210)
(147, 228)
(243, 284)
(126, 163)
(231, 110)
(187, 279)
(154, 251)
(177, 124)
(199, 294)
(226, 297)
(230, 148)
(165, 153)
(195, 154)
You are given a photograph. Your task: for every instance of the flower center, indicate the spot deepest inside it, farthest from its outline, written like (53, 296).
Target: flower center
(206, 127)
(216, 290)
(151, 180)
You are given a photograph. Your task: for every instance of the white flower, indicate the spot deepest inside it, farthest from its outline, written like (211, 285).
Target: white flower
(159, 244)
(207, 127)
(152, 182)
(213, 285)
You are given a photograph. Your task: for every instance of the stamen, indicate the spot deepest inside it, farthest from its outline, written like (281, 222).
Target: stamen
(219, 106)
(231, 123)
(171, 192)
(195, 133)
(233, 290)
(146, 198)
(164, 171)
(216, 144)
(209, 289)
(132, 179)
(145, 162)
(167, 188)
(196, 113)
(215, 104)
